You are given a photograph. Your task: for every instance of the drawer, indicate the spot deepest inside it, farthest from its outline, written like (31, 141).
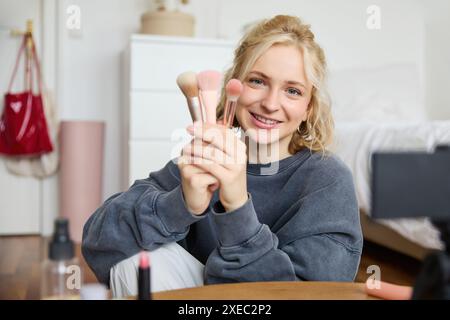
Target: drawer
(150, 156)
(157, 115)
(156, 65)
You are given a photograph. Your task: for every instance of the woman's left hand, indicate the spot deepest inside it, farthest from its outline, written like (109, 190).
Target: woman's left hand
(219, 151)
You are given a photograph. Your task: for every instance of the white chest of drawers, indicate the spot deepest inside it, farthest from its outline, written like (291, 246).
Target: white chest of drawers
(155, 113)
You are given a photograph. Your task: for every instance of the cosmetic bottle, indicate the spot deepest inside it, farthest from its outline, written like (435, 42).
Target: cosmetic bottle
(61, 275)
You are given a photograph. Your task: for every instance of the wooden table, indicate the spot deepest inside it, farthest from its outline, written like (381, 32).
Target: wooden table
(307, 290)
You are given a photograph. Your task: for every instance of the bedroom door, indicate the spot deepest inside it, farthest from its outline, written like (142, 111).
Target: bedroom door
(20, 197)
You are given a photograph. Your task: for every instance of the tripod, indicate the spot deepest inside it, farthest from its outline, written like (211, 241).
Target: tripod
(433, 281)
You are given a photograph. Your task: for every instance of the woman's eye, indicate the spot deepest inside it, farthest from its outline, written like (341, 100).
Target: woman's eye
(256, 81)
(293, 91)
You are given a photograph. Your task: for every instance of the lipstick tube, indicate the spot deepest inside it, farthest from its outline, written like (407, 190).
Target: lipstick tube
(144, 287)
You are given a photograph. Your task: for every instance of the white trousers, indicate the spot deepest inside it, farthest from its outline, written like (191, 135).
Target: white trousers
(172, 267)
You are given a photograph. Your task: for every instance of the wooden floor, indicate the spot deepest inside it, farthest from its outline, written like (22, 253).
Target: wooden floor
(21, 258)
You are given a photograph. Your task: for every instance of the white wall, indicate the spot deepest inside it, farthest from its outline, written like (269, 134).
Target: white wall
(340, 27)
(13, 14)
(437, 60)
(89, 70)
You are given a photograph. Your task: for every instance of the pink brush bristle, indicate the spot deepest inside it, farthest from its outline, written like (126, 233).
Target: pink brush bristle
(209, 80)
(234, 88)
(209, 83)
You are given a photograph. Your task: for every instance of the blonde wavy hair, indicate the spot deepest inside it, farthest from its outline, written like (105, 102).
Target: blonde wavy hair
(316, 133)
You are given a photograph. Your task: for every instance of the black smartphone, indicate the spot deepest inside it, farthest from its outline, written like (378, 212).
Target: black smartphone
(411, 184)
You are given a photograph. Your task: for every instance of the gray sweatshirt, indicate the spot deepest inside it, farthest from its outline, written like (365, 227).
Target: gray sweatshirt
(301, 222)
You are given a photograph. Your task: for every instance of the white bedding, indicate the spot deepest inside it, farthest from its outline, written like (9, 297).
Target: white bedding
(354, 143)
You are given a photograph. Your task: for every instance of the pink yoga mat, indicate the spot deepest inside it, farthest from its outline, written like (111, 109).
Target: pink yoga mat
(80, 177)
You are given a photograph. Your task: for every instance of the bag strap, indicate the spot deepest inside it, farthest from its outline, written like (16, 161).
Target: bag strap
(28, 69)
(22, 47)
(30, 61)
(34, 58)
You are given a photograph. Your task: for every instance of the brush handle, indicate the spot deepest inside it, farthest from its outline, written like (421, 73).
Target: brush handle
(194, 109)
(226, 110)
(202, 108)
(230, 109)
(209, 102)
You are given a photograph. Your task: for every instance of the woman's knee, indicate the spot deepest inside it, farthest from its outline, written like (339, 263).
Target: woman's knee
(172, 267)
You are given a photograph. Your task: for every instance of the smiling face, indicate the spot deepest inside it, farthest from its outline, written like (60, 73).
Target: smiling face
(275, 97)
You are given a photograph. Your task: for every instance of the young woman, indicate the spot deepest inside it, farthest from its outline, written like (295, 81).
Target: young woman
(241, 213)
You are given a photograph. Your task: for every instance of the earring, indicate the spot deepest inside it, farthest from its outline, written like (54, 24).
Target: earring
(298, 128)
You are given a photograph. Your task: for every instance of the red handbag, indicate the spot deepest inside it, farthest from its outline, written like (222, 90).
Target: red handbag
(23, 127)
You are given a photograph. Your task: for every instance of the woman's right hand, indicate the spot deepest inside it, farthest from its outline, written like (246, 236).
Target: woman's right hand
(198, 185)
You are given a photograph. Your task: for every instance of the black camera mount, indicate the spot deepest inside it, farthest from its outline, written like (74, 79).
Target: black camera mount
(433, 281)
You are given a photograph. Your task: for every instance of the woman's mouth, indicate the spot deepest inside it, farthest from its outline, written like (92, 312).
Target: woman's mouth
(262, 122)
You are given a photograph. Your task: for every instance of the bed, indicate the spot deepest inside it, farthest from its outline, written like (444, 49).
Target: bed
(354, 144)
(381, 110)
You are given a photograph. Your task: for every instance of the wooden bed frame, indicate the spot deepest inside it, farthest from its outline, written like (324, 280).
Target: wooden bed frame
(387, 237)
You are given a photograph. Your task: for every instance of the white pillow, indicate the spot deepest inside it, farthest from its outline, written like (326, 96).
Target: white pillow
(388, 93)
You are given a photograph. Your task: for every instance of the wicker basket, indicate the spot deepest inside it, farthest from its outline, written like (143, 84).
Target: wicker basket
(169, 23)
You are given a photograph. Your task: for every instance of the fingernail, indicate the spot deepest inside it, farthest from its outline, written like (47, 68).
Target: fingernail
(190, 128)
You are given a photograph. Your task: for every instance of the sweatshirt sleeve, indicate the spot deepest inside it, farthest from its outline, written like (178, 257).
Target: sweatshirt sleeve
(322, 241)
(151, 213)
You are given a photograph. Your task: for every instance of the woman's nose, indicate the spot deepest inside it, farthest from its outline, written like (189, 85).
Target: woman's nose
(271, 100)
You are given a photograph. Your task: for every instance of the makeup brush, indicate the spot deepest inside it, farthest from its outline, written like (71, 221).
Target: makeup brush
(187, 81)
(209, 83)
(233, 91)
